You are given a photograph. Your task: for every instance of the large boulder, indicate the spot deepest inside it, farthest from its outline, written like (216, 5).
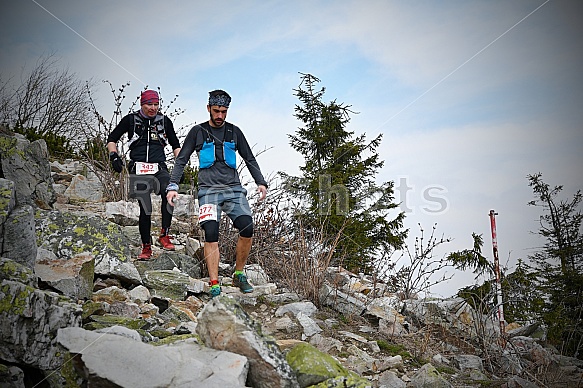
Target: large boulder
(224, 325)
(7, 203)
(109, 360)
(17, 234)
(167, 284)
(72, 277)
(313, 367)
(70, 234)
(30, 318)
(27, 165)
(170, 261)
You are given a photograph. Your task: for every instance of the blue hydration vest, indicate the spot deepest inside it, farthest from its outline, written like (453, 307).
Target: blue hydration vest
(206, 155)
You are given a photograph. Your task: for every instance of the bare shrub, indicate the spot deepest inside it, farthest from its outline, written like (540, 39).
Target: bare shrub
(291, 256)
(51, 99)
(413, 271)
(94, 152)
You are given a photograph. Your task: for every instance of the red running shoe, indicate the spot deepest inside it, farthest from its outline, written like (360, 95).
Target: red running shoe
(146, 252)
(166, 244)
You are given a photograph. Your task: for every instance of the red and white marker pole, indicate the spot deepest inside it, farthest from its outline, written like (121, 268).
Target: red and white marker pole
(497, 271)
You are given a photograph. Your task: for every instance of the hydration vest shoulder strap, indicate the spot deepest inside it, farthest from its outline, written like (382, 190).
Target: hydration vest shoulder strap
(137, 127)
(207, 130)
(228, 135)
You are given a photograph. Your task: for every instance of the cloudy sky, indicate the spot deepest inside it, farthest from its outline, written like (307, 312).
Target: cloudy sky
(470, 96)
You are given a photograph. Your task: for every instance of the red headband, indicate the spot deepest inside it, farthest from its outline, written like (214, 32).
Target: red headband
(149, 97)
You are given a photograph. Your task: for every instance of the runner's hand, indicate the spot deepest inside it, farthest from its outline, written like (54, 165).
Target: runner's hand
(116, 161)
(171, 196)
(262, 192)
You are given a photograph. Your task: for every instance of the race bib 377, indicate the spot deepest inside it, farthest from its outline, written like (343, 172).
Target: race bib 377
(207, 213)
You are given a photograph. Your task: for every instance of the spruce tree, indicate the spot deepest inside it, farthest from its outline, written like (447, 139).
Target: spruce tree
(559, 265)
(337, 181)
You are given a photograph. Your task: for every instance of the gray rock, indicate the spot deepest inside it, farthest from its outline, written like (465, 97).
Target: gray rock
(85, 188)
(340, 301)
(19, 238)
(389, 379)
(264, 289)
(224, 325)
(441, 359)
(184, 208)
(353, 336)
(510, 363)
(193, 247)
(27, 165)
(519, 382)
(69, 166)
(73, 277)
(186, 328)
(309, 325)
(525, 330)
(362, 362)
(12, 270)
(256, 275)
(391, 327)
(428, 377)
(123, 213)
(105, 360)
(111, 294)
(121, 331)
(59, 188)
(325, 344)
(167, 284)
(7, 204)
(29, 322)
(285, 324)
(11, 377)
(66, 234)
(125, 309)
(132, 235)
(170, 260)
(337, 277)
(394, 362)
(464, 362)
(286, 297)
(384, 307)
(140, 294)
(306, 308)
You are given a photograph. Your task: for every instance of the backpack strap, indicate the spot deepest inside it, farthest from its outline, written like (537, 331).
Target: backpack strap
(207, 130)
(136, 123)
(228, 135)
(137, 128)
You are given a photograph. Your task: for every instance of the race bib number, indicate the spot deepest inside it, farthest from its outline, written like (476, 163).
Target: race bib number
(207, 213)
(146, 168)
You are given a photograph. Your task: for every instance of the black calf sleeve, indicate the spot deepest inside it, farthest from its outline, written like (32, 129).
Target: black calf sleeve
(245, 225)
(211, 231)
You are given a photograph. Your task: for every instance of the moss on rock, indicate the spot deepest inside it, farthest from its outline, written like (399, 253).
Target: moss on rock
(313, 367)
(103, 321)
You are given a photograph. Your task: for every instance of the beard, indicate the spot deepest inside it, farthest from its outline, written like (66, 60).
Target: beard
(217, 122)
